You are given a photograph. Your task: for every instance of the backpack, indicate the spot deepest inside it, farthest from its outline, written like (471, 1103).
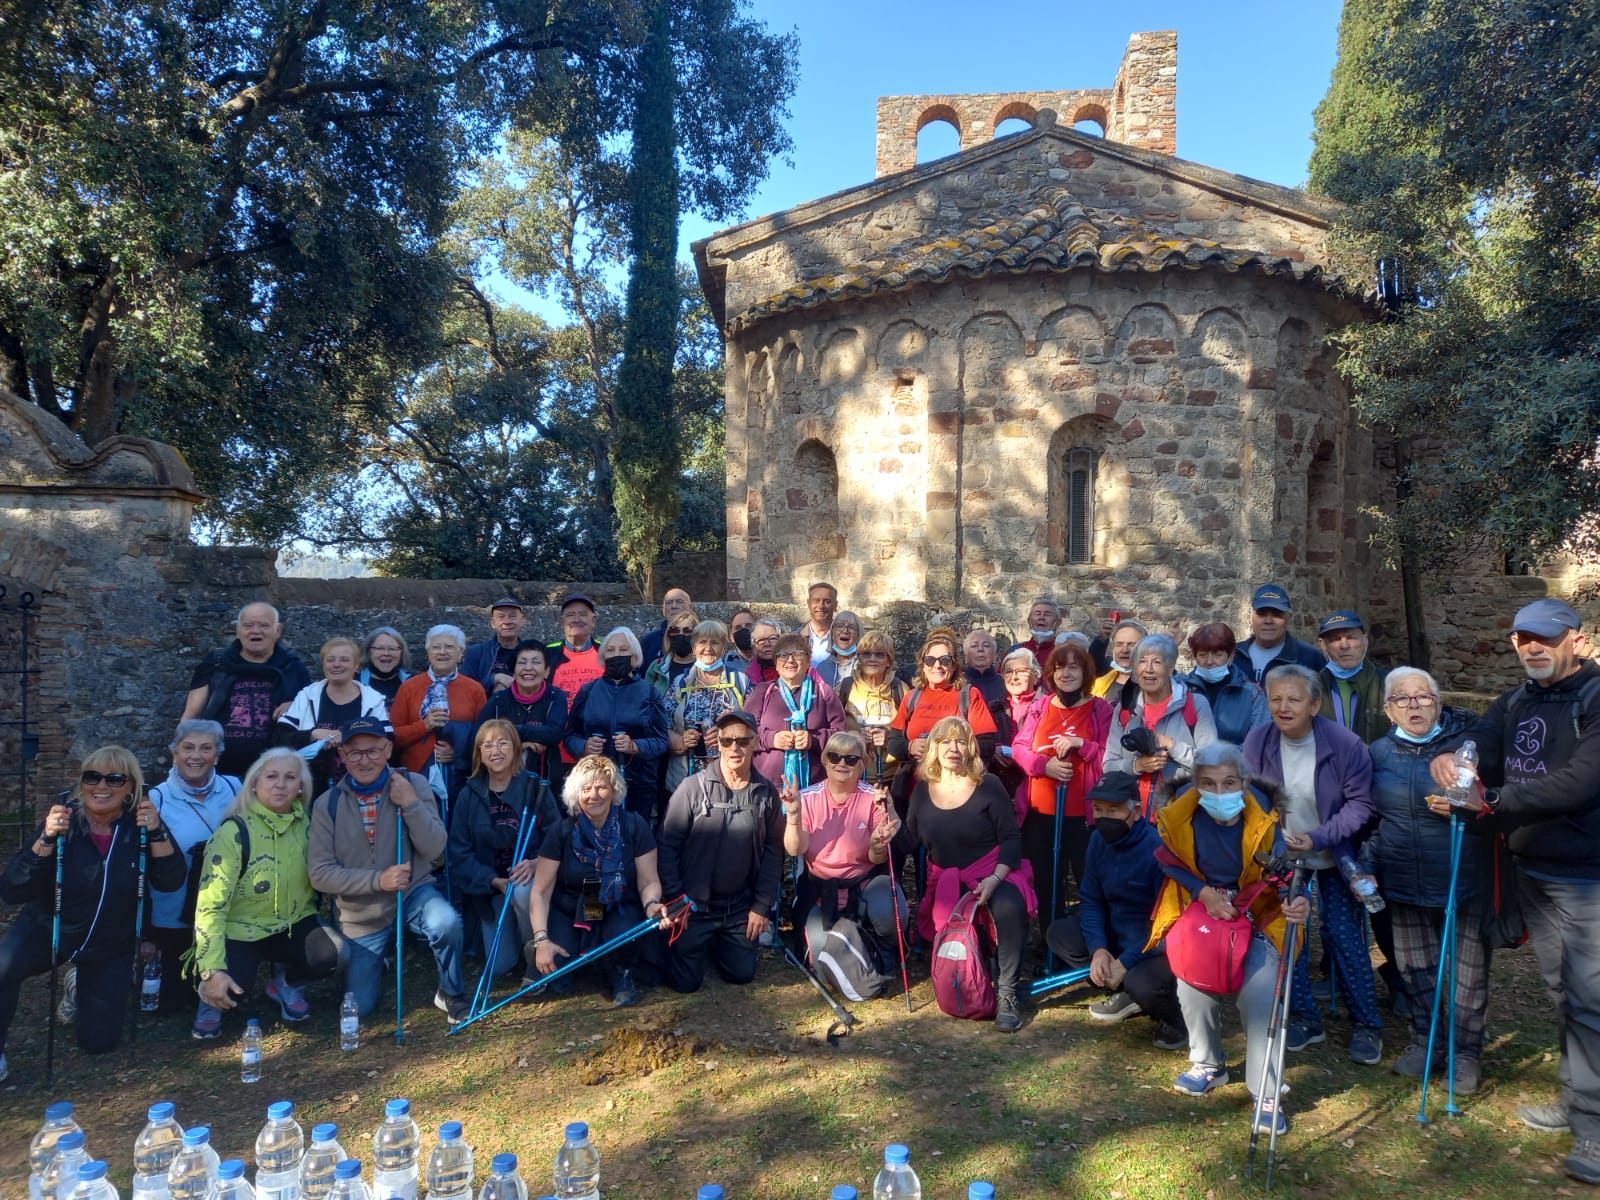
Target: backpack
(844, 957)
(962, 982)
(1208, 954)
(963, 699)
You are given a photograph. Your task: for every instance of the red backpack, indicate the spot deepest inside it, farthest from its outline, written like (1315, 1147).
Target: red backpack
(961, 980)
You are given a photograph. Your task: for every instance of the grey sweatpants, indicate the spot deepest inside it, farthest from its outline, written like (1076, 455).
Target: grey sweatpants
(1202, 1013)
(1564, 927)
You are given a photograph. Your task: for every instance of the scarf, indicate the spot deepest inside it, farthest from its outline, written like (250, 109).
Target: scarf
(521, 698)
(367, 801)
(603, 851)
(797, 763)
(438, 692)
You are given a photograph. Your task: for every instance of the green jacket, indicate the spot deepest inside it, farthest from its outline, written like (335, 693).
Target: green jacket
(271, 892)
(1366, 687)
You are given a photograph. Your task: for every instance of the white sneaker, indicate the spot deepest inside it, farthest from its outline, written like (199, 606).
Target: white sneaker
(67, 1009)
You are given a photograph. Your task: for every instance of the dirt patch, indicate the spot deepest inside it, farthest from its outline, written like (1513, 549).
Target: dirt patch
(635, 1053)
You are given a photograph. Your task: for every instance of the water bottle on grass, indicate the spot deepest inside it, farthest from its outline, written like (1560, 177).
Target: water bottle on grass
(58, 1120)
(897, 1181)
(577, 1174)
(279, 1147)
(321, 1159)
(394, 1153)
(61, 1175)
(153, 1152)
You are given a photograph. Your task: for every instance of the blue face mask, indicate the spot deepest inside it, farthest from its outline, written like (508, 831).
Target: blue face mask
(1414, 739)
(1214, 674)
(1222, 806)
(708, 664)
(1339, 672)
(842, 653)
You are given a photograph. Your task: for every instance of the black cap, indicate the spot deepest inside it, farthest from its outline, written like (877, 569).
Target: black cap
(366, 727)
(578, 598)
(739, 716)
(1115, 787)
(506, 602)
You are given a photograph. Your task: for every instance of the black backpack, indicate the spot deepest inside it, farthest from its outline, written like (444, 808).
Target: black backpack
(845, 957)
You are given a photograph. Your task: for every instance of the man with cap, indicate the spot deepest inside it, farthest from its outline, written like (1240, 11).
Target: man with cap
(353, 859)
(574, 658)
(492, 662)
(1352, 687)
(675, 601)
(1539, 755)
(1270, 643)
(721, 844)
(1121, 880)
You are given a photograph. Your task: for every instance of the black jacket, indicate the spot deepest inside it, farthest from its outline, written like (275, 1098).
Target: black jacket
(700, 834)
(1293, 650)
(544, 721)
(222, 667)
(473, 840)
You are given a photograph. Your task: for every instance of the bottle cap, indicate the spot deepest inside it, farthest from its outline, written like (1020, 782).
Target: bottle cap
(709, 1191)
(844, 1192)
(450, 1129)
(896, 1155)
(161, 1112)
(198, 1136)
(980, 1191)
(279, 1110)
(59, 1111)
(92, 1170)
(348, 1169)
(324, 1133)
(503, 1164)
(577, 1131)
(397, 1108)
(71, 1140)
(232, 1169)
(252, 1023)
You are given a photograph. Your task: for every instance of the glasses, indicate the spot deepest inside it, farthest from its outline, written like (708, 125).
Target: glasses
(732, 743)
(938, 660)
(766, 641)
(377, 752)
(849, 760)
(1426, 700)
(1017, 673)
(114, 778)
(789, 656)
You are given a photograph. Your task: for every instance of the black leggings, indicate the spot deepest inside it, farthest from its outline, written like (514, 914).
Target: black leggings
(1010, 913)
(1038, 846)
(308, 950)
(102, 983)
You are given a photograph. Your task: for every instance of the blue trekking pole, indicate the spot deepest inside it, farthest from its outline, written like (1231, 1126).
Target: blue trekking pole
(399, 928)
(1447, 959)
(485, 988)
(1055, 872)
(1050, 982)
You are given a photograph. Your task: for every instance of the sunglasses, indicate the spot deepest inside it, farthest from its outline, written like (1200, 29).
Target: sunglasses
(941, 660)
(114, 778)
(729, 743)
(849, 760)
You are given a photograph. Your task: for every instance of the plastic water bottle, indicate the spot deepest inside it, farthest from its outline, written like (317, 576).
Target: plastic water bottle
(153, 1151)
(394, 1153)
(321, 1158)
(978, 1190)
(279, 1147)
(349, 1023)
(450, 1165)
(1466, 772)
(150, 985)
(91, 1184)
(897, 1181)
(58, 1120)
(577, 1175)
(231, 1183)
(347, 1183)
(1366, 888)
(194, 1169)
(250, 1053)
(61, 1173)
(503, 1183)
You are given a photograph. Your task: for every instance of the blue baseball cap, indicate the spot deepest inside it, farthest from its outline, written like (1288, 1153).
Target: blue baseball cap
(1335, 621)
(1546, 618)
(365, 727)
(1270, 595)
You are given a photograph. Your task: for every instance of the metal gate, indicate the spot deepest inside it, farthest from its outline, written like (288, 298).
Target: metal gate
(19, 707)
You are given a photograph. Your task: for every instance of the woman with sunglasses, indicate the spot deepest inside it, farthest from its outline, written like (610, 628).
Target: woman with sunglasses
(677, 653)
(95, 828)
(796, 714)
(870, 698)
(938, 690)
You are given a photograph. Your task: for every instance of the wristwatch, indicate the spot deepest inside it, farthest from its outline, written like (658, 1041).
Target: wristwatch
(205, 975)
(159, 834)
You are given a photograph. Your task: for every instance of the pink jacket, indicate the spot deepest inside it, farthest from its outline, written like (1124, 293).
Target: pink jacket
(946, 885)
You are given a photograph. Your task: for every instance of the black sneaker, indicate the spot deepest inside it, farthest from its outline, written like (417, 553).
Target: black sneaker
(1007, 1016)
(456, 1009)
(1170, 1037)
(623, 992)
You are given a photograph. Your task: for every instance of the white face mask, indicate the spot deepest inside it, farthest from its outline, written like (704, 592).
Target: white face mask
(1043, 635)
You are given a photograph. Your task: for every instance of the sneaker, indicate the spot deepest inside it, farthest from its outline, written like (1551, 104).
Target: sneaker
(1469, 1073)
(1271, 1115)
(1583, 1161)
(624, 994)
(1303, 1033)
(1007, 1016)
(1366, 1046)
(1118, 1006)
(456, 1009)
(207, 1023)
(1198, 1080)
(1545, 1118)
(67, 1007)
(291, 1001)
(1412, 1061)
(1170, 1037)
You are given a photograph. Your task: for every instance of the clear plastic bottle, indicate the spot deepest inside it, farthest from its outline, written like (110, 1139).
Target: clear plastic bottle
(150, 985)
(979, 1190)
(58, 1120)
(449, 1173)
(279, 1147)
(1366, 888)
(897, 1181)
(91, 1184)
(503, 1183)
(577, 1174)
(347, 1183)
(321, 1158)
(231, 1183)
(61, 1173)
(194, 1169)
(250, 1053)
(349, 1023)
(1466, 772)
(153, 1151)
(394, 1153)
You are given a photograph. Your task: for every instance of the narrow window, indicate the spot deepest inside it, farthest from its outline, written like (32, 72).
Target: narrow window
(1080, 466)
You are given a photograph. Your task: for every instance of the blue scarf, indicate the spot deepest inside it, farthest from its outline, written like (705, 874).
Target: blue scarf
(797, 763)
(438, 692)
(603, 851)
(371, 789)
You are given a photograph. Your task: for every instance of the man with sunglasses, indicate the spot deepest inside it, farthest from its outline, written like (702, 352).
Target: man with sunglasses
(1539, 750)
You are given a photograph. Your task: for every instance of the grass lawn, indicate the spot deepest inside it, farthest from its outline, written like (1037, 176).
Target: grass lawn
(738, 1086)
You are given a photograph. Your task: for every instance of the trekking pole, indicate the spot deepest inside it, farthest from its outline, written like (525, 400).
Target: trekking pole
(1055, 872)
(138, 939)
(485, 988)
(897, 899)
(55, 963)
(1049, 983)
(399, 929)
(1447, 955)
(844, 1019)
(1277, 1038)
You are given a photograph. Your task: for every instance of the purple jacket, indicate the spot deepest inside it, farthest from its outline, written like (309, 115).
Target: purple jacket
(1343, 779)
(824, 718)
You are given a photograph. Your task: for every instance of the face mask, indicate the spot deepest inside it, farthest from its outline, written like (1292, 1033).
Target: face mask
(619, 666)
(1043, 635)
(708, 664)
(1222, 806)
(1068, 699)
(850, 653)
(1339, 672)
(681, 643)
(1113, 829)
(1213, 674)
(741, 639)
(1124, 671)
(1414, 739)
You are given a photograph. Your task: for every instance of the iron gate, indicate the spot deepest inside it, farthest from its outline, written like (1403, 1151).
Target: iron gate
(19, 729)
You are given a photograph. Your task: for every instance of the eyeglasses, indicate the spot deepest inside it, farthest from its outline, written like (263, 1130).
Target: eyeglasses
(731, 743)
(1017, 673)
(940, 660)
(849, 760)
(765, 641)
(874, 654)
(1426, 700)
(375, 753)
(114, 778)
(789, 656)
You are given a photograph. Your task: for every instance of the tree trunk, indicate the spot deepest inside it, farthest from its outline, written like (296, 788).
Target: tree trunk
(1418, 653)
(96, 415)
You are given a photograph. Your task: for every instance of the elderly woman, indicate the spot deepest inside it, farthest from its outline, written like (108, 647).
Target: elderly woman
(256, 903)
(96, 831)
(314, 717)
(796, 714)
(385, 655)
(1411, 853)
(702, 694)
(844, 637)
(1238, 704)
(677, 652)
(434, 711)
(841, 829)
(536, 708)
(938, 690)
(1326, 778)
(191, 800)
(596, 877)
(1210, 836)
(1019, 674)
(1060, 748)
(492, 808)
(871, 697)
(1158, 722)
(764, 635)
(965, 821)
(622, 717)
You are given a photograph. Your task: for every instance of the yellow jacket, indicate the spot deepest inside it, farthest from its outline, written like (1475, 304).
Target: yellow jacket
(1102, 685)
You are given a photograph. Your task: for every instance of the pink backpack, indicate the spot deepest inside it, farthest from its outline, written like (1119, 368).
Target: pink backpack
(961, 980)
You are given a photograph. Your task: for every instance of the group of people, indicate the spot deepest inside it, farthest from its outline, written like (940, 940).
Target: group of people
(1089, 792)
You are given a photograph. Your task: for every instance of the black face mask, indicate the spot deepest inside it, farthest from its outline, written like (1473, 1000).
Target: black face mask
(681, 643)
(741, 639)
(619, 666)
(1113, 829)
(1068, 699)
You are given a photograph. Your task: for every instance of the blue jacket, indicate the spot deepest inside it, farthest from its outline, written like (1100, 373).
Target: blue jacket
(478, 663)
(545, 723)
(1120, 883)
(604, 709)
(1343, 780)
(1238, 705)
(1293, 650)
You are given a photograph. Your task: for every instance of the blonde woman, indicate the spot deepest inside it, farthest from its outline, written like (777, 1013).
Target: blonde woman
(314, 717)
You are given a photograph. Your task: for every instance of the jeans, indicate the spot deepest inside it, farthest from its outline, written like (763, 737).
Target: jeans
(1564, 927)
(1202, 1013)
(1149, 981)
(426, 913)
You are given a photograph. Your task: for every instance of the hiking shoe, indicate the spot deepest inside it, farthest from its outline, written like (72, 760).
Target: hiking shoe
(67, 1007)
(1007, 1016)
(1198, 1080)
(1583, 1161)
(1412, 1061)
(624, 994)
(1366, 1045)
(1271, 1115)
(1469, 1073)
(1303, 1033)
(207, 1023)
(456, 1009)
(1170, 1037)
(291, 1000)
(1545, 1118)
(1118, 1006)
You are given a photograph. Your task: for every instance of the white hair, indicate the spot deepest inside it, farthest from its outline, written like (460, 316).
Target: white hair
(277, 617)
(1313, 684)
(1021, 655)
(453, 632)
(627, 635)
(1400, 675)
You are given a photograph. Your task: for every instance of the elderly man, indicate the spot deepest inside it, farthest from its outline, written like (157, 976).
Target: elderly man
(1270, 644)
(978, 653)
(1044, 618)
(493, 661)
(1352, 687)
(1539, 750)
(245, 687)
(574, 658)
(822, 601)
(374, 835)
(1125, 635)
(674, 602)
